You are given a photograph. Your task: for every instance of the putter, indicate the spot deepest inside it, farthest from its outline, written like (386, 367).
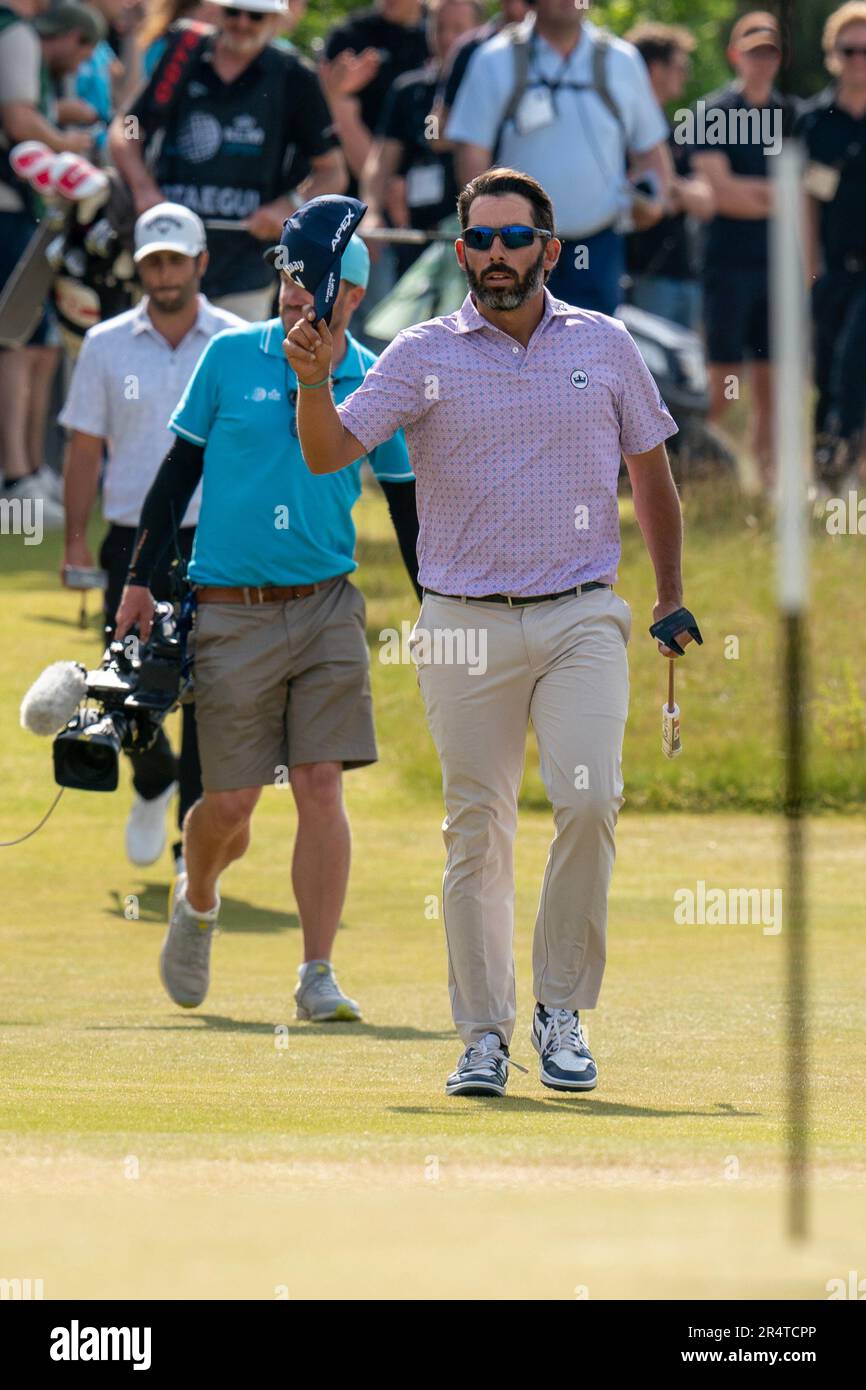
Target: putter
(671, 744)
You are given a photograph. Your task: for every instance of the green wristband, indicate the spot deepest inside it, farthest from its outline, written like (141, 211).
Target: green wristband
(313, 386)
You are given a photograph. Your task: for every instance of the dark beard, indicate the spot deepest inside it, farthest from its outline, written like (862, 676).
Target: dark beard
(174, 305)
(508, 296)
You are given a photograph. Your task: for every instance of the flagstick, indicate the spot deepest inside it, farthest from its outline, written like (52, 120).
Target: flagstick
(788, 298)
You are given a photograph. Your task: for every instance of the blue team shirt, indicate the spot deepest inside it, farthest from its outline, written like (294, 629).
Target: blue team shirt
(265, 518)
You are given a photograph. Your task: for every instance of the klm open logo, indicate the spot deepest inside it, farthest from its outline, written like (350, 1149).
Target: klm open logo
(579, 379)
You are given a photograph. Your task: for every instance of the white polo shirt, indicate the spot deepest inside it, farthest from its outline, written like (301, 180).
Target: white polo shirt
(126, 383)
(578, 157)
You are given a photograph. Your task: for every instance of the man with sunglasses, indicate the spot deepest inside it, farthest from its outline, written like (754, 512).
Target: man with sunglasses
(250, 113)
(517, 410)
(282, 688)
(833, 128)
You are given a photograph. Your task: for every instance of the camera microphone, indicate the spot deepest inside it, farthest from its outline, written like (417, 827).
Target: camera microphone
(53, 698)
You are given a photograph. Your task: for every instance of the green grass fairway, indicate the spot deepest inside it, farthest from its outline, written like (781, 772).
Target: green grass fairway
(146, 1151)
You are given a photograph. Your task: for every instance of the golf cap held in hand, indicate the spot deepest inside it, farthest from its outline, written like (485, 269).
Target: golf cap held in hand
(312, 245)
(169, 227)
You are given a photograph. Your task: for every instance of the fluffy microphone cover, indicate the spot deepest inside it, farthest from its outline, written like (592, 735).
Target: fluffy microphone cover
(53, 698)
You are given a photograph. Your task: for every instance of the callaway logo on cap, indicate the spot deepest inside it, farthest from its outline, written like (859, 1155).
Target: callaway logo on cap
(169, 227)
(312, 245)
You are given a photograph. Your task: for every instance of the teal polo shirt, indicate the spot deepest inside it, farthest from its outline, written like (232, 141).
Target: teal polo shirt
(265, 518)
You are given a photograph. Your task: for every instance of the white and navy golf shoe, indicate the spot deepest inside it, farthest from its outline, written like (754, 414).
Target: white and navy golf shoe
(566, 1061)
(483, 1069)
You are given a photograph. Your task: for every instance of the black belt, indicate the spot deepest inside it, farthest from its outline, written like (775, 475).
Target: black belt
(520, 602)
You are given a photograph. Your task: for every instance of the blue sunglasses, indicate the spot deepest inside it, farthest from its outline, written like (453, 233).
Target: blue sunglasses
(514, 237)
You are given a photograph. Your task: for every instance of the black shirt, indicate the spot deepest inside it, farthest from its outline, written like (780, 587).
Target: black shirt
(407, 107)
(403, 48)
(836, 138)
(664, 248)
(460, 56)
(741, 241)
(230, 147)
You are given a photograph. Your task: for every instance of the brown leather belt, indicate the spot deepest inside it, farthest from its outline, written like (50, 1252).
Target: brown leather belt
(261, 593)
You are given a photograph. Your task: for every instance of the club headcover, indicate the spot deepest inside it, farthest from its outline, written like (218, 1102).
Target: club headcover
(666, 629)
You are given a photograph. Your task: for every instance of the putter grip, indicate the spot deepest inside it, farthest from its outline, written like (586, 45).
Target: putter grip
(671, 745)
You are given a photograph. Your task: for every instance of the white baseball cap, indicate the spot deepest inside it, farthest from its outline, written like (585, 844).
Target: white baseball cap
(260, 6)
(169, 227)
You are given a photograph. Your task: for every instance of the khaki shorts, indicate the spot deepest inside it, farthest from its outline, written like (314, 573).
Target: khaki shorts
(277, 684)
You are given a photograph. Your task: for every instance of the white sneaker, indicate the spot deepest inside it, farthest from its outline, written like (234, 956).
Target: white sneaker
(29, 489)
(145, 827)
(51, 483)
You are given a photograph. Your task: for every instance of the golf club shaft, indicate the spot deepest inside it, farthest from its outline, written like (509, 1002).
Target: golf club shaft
(400, 236)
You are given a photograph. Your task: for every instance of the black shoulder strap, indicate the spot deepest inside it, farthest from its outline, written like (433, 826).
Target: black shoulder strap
(172, 72)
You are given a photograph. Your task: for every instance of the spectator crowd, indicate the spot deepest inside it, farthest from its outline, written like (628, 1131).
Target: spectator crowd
(212, 107)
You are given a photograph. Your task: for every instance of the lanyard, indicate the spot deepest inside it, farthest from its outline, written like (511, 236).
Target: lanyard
(536, 77)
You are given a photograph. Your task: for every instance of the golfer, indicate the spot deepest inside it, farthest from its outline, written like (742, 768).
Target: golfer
(517, 410)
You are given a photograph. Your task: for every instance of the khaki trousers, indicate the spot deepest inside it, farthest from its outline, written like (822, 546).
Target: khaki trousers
(484, 671)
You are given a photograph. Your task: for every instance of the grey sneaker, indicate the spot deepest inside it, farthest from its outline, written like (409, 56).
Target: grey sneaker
(184, 961)
(320, 999)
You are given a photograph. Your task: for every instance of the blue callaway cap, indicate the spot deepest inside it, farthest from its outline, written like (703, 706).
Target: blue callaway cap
(312, 244)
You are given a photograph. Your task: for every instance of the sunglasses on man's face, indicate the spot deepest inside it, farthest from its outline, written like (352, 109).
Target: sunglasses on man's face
(514, 237)
(851, 51)
(233, 12)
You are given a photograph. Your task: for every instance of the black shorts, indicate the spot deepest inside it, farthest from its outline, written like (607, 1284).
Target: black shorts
(737, 314)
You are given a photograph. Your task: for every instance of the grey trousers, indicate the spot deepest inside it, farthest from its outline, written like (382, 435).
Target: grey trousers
(485, 671)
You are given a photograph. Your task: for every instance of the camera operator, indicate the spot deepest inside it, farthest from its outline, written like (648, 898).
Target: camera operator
(281, 666)
(132, 369)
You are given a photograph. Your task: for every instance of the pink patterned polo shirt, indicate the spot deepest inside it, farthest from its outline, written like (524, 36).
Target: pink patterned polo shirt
(516, 451)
